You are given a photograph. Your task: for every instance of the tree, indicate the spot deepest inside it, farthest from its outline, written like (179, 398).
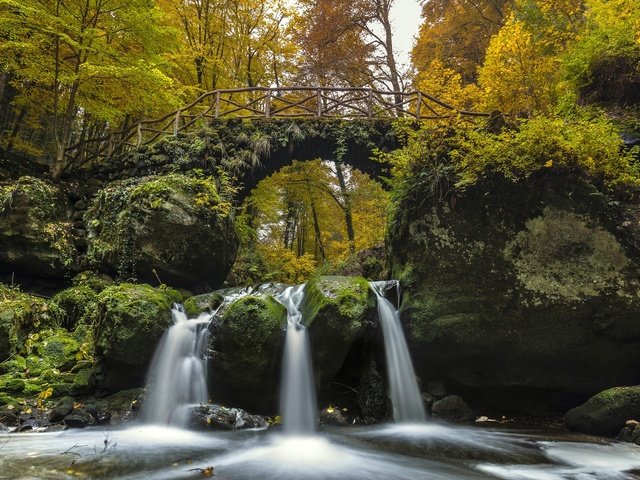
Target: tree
(456, 33)
(82, 65)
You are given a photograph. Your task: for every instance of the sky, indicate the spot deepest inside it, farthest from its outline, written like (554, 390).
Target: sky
(405, 16)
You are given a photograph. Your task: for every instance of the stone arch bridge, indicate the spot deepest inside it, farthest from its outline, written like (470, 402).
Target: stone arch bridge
(300, 122)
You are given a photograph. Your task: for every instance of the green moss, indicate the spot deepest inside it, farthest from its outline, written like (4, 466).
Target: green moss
(131, 319)
(114, 211)
(207, 302)
(606, 412)
(20, 314)
(251, 323)
(342, 302)
(92, 280)
(79, 304)
(562, 256)
(32, 212)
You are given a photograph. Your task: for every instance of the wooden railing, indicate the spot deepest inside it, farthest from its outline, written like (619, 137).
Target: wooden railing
(268, 103)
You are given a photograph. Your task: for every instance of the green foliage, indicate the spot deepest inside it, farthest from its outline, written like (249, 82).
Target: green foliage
(588, 146)
(602, 65)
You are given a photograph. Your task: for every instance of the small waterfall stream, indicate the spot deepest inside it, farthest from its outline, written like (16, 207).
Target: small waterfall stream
(297, 393)
(178, 377)
(408, 406)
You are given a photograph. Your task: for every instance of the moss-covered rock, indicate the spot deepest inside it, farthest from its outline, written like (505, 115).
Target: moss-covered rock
(335, 310)
(35, 234)
(20, 315)
(79, 304)
(247, 342)
(524, 296)
(176, 228)
(207, 302)
(131, 320)
(606, 412)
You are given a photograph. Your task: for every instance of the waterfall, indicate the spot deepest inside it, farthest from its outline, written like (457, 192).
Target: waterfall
(408, 406)
(177, 378)
(297, 393)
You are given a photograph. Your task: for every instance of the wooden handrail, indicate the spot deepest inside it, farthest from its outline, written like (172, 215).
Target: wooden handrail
(319, 102)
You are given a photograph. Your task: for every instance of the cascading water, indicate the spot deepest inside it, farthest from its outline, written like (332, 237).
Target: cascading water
(408, 406)
(178, 377)
(297, 394)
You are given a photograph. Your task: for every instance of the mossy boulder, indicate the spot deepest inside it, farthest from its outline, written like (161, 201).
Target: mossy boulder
(175, 228)
(79, 304)
(35, 232)
(524, 296)
(335, 311)
(207, 302)
(131, 321)
(20, 315)
(606, 412)
(247, 344)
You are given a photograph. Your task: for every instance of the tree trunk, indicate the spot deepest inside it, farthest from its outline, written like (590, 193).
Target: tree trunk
(346, 196)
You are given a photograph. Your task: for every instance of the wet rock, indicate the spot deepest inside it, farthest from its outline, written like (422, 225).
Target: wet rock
(207, 302)
(605, 413)
(176, 228)
(247, 345)
(436, 389)
(372, 398)
(124, 406)
(35, 238)
(79, 419)
(452, 408)
(216, 417)
(131, 320)
(335, 311)
(526, 295)
(61, 409)
(332, 416)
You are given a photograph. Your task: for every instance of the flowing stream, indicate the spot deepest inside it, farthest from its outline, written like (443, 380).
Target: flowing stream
(297, 393)
(406, 399)
(178, 377)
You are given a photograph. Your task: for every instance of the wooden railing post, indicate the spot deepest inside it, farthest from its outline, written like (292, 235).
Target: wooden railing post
(110, 146)
(418, 105)
(370, 104)
(217, 114)
(267, 104)
(319, 100)
(139, 141)
(176, 124)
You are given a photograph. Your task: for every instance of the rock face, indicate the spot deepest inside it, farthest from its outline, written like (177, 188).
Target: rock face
(453, 408)
(247, 353)
(607, 412)
(175, 228)
(524, 297)
(335, 311)
(35, 234)
(217, 417)
(131, 321)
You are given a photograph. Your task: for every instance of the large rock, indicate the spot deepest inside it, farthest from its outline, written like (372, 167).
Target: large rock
(607, 412)
(175, 228)
(335, 311)
(35, 234)
(247, 353)
(131, 321)
(525, 296)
